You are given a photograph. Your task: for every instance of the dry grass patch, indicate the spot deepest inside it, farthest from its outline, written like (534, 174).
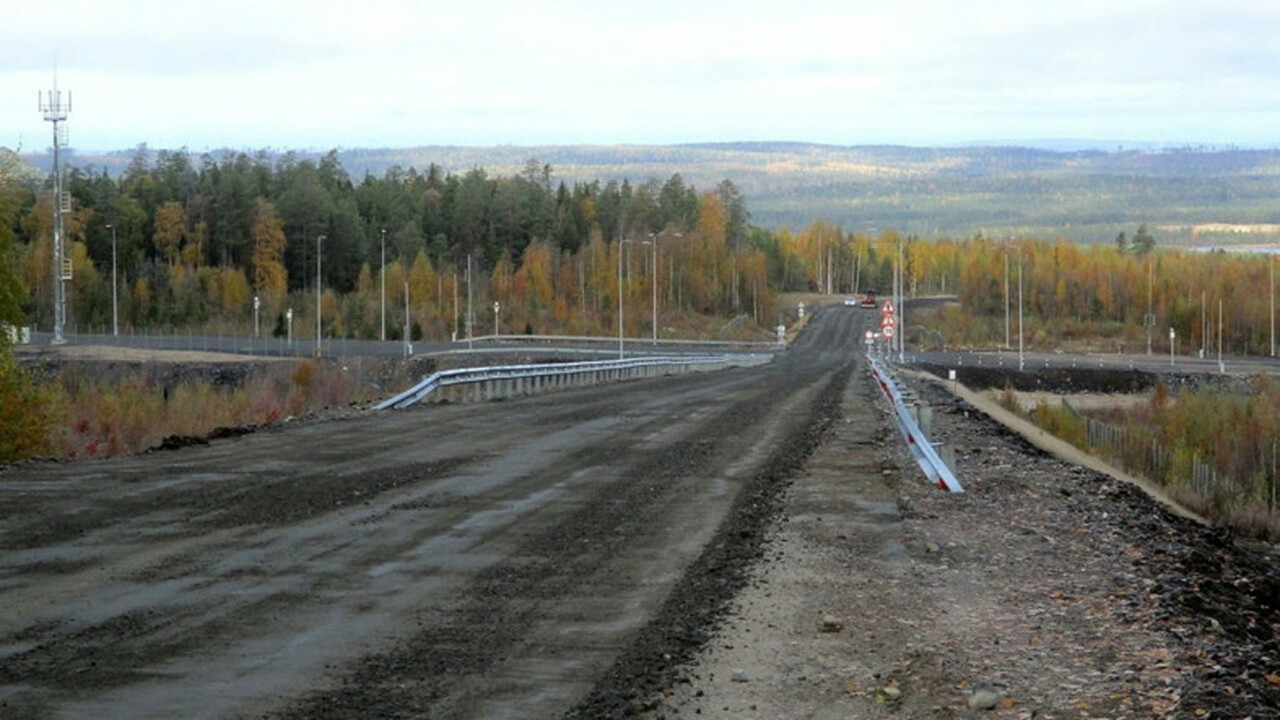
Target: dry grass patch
(106, 415)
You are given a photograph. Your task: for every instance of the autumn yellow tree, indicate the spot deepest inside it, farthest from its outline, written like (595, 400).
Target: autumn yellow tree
(37, 267)
(422, 288)
(28, 410)
(713, 258)
(266, 231)
(193, 248)
(170, 230)
(532, 285)
(227, 288)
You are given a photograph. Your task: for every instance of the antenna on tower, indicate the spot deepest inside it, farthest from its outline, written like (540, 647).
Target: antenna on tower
(55, 111)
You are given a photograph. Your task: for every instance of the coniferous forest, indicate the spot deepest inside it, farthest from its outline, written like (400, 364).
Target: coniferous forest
(196, 240)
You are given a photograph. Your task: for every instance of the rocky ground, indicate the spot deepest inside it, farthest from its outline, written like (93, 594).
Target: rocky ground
(1047, 590)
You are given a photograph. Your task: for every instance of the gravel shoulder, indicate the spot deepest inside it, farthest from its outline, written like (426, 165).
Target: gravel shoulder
(1047, 590)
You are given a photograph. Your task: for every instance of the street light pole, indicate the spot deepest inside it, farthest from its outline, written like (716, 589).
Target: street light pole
(470, 315)
(621, 354)
(1021, 360)
(653, 238)
(1204, 325)
(319, 239)
(1221, 367)
(115, 303)
(1006, 296)
(1151, 315)
(902, 304)
(654, 270)
(384, 284)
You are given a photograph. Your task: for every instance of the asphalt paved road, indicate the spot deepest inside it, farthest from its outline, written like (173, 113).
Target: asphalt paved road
(453, 561)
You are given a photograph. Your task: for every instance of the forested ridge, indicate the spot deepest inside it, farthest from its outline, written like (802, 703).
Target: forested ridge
(195, 239)
(199, 237)
(1072, 190)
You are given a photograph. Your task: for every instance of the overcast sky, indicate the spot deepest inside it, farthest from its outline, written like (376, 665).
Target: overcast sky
(252, 74)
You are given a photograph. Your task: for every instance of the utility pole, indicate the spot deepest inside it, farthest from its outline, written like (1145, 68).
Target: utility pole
(55, 111)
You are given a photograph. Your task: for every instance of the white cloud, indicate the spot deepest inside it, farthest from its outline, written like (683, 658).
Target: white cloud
(396, 72)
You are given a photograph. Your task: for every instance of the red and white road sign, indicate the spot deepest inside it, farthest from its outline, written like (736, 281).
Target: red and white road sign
(887, 308)
(887, 331)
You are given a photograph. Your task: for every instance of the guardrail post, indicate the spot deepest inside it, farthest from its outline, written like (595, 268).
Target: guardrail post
(924, 418)
(947, 452)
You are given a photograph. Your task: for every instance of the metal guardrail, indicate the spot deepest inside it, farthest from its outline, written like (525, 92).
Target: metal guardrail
(340, 347)
(526, 379)
(632, 344)
(926, 456)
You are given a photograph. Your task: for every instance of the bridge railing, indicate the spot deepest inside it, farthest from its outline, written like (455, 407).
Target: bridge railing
(512, 380)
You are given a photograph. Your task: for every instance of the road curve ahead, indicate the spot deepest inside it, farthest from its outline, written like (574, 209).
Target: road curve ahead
(450, 561)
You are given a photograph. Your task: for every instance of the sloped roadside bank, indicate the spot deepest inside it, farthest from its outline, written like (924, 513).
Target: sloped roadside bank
(1057, 589)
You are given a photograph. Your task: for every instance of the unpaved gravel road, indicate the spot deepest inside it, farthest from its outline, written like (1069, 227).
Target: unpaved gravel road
(745, 544)
(454, 561)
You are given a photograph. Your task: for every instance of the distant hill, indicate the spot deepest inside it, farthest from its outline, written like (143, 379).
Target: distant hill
(16, 166)
(1085, 193)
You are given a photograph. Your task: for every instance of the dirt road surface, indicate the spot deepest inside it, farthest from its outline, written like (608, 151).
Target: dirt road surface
(455, 561)
(741, 544)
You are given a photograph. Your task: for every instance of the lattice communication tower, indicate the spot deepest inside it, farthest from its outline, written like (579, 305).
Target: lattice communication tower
(55, 111)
